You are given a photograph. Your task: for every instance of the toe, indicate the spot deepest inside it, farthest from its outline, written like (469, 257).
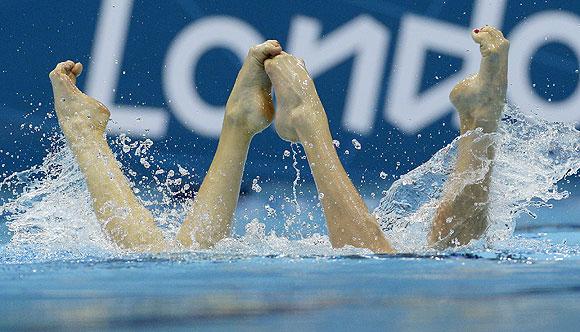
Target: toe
(75, 72)
(67, 67)
(490, 39)
(496, 33)
(273, 47)
(491, 33)
(77, 69)
(476, 35)
(266, 50)
(480, 35)
(63, 68)
(63, 76)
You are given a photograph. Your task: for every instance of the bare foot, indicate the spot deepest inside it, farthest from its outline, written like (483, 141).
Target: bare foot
(479, 98)
(299, 107)
(78, 114)
(249, 106)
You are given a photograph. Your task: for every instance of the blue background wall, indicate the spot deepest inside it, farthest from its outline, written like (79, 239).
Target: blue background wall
(35, 35)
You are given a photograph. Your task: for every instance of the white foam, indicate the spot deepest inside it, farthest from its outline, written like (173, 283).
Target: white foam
(51, 217)
(532, 155)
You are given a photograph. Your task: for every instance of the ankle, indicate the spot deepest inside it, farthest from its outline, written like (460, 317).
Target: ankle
(309, 121)
(487, 125)
(80, 133)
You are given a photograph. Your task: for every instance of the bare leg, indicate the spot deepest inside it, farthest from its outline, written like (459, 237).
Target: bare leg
(83, 120)
(301, 118)
(249, 110)
(479, 99)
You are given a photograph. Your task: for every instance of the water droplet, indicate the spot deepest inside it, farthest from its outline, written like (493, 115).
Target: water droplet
(336, 143)
(270, 210)
(182, 170)
(383, 175)
(255, 186)
(144, 162)
(356, 144)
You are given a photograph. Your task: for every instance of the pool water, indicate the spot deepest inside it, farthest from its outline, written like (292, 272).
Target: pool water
(531, 289)
(278, 271)
(448, 292)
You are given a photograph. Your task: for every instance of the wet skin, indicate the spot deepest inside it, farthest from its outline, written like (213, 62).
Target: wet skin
(479, 99)
(300, 117)
(124, 218)
(462, 214)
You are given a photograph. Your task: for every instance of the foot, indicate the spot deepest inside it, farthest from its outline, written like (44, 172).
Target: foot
(480, 98)
(78, 114)
(249, 107)
(299, 107)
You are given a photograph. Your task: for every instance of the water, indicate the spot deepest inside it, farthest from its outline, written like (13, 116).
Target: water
(229, 292)
(532, 156)
(279, 269)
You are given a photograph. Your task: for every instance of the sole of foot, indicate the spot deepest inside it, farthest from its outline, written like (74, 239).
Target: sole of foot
(250, 103)
(75, 110)
(479, 98)
(298, 104)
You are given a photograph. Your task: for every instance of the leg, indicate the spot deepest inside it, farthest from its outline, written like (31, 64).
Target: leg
(249, 110)
(83, 120)
(301, 118)
(479, 99)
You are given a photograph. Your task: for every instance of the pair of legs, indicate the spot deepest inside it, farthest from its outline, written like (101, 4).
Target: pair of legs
(125, 220)
(300, 117)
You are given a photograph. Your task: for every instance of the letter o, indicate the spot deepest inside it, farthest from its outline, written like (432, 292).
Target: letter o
(526, 39)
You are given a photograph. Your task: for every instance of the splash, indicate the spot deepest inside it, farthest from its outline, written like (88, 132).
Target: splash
(532, 155)
(51, 217)
(255, 242)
